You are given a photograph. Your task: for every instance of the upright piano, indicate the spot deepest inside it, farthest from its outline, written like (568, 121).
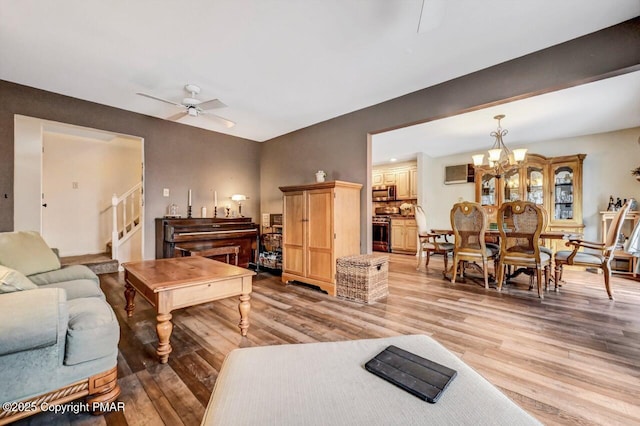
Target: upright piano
(182, 235)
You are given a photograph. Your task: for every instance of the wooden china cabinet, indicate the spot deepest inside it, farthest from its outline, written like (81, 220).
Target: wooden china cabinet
(321, 222)
(553, 183)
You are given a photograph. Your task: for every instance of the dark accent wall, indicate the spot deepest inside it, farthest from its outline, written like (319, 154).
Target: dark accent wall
(176, 156)
(341, 148)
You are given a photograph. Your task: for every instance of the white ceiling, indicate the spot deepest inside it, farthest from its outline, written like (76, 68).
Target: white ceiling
(279, 65)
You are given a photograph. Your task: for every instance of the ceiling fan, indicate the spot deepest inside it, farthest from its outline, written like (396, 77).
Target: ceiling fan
(431, 15)
(194, 107)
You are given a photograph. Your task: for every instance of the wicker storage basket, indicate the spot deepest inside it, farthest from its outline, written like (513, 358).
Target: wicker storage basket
(363, 277)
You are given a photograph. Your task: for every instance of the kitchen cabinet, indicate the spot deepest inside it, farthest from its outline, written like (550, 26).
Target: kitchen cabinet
(389, 177)
(404, 235)
(553, 183)
(623, 262)
(413, 183)
(402, 184)
(376, 178)
(403, 176)
(321, 222)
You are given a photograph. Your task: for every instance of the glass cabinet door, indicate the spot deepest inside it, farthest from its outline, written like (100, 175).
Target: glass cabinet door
(488, 190)
(535, 185)
(512, 185)
(563, 193)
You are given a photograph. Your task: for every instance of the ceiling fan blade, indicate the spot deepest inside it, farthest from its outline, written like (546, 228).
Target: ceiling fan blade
(159, 99)
(431, 15)
(211, 104)
(177, 116)
(227, 123)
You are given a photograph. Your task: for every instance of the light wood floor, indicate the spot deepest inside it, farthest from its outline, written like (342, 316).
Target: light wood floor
(573, 358)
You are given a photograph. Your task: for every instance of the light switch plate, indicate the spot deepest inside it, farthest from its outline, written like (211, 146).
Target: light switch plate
(165, 192)
(266, 218)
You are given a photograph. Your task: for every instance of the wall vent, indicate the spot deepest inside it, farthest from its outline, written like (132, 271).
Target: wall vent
(461, 173)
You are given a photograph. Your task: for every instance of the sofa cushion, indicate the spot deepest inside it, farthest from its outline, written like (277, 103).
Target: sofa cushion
(12, 280)
(77, 289)
(66, 273)
(27, 252)
(93, 330)
(31, 319)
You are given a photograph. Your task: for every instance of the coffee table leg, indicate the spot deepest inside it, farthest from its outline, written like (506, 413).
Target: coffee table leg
(164, 329)
(244, 308)
(129, 294)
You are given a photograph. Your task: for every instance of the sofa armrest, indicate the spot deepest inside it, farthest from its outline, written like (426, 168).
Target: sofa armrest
(32, 319)
(64, 274)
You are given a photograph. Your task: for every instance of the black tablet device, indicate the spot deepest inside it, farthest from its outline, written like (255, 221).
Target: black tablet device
(417, 375)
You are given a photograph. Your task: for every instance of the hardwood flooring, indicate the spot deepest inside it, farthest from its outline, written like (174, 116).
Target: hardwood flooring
(572, 358)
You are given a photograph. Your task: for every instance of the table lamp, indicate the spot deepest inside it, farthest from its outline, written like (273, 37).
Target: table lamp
(239, 198)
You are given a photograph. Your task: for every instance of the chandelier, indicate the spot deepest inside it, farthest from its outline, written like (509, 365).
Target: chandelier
(500, 158)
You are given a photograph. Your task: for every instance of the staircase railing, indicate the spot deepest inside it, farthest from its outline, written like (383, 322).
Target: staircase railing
(127, 217)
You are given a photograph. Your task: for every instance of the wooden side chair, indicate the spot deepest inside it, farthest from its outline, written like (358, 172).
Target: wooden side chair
(601, 258)
(430, 242)
(520, 224)
(469, 222)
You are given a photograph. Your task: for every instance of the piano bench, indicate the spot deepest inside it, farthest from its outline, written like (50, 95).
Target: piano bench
(208, 252)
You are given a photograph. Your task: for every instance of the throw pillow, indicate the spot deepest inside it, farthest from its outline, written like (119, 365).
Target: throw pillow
(26, 251)
(12, 280)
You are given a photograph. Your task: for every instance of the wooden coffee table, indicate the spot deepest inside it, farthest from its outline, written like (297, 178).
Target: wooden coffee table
(180, 282)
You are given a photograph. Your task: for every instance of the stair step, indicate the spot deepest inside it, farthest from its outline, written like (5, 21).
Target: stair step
(100, 263)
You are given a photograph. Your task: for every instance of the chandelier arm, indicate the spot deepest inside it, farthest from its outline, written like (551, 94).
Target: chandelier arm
(505, 159)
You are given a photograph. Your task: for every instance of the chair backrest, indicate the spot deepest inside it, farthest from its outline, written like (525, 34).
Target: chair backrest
(520, 224)
(469, 222)
(616, 226)
(421, 220)
(545, 219)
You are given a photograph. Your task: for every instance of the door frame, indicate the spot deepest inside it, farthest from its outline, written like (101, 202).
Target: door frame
(28, 169)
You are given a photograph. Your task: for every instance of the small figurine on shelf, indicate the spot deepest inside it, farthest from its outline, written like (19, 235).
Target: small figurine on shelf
(618, 204)
(227, 210)
(611, 206)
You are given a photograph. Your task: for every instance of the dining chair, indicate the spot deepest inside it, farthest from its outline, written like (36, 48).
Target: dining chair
(547, 250)
(430, 242)
(469, 223)
(520, 225)
(603, 255)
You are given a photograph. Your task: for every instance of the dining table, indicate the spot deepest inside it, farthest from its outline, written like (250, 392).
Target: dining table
(495, 233)
(545, 235)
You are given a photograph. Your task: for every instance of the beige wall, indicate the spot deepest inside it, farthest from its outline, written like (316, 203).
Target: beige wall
(607, 167)
(100, 169)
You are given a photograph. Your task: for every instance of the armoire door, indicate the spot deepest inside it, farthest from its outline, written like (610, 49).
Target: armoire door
(320, 259)
(293, 238)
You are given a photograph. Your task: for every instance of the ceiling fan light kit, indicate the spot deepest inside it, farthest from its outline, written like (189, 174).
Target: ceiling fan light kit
(193, 106)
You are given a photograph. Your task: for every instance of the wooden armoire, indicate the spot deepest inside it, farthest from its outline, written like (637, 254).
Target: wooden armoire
(321, 222)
